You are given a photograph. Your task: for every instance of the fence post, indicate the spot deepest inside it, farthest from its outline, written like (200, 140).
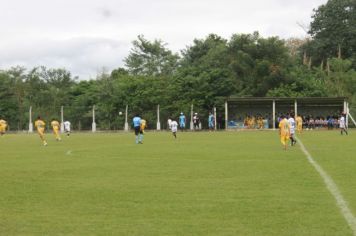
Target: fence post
(274, 114)
(158, 121)
(93, 125)
(226, 116)
(215, 118)
(30, 125)
(126, 128)
(191, 117)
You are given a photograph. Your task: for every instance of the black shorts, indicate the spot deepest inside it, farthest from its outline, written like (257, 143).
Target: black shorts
(138, 130)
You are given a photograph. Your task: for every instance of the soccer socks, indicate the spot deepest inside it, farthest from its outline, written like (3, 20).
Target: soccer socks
(345, 131)
(136, 139)
(140, 138)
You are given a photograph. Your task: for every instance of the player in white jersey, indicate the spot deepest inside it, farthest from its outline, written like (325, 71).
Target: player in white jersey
(67, 128)
(174, 128)
(169, 123)
(291, 122)
(342, 124)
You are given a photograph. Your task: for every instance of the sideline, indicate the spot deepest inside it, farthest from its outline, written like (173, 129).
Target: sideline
(332, 187)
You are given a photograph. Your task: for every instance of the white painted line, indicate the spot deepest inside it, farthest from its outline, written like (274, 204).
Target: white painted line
(332, 187)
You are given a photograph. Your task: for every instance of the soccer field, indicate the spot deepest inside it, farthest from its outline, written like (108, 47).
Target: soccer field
(224, 183)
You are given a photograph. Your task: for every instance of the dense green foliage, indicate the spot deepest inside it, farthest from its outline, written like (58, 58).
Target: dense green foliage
(203, 74)
(333, 30)
(200, 184)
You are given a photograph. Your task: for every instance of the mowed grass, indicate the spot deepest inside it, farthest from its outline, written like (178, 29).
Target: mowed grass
(225, 183)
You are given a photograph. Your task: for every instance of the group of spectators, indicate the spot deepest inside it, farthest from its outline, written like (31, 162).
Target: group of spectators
(329, 122)
(252, 122)
(309, 122)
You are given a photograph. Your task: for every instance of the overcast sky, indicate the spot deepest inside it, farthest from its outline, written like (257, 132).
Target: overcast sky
(85, 36)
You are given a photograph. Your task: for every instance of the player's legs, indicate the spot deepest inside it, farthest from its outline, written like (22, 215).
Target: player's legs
(182, 126)
(293, 140)
(56, 134)
(284, 140)
(174, 134)
(41, 134)
(299, 129)
(140, 137)
(137, 131)
(196, 126)
(211, 126)
(343, 130)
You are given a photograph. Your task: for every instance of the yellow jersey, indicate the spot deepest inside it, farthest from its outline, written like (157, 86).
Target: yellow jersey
(55, 125)
(284, 127)
(3, 124)
(299, 120)
(143, 124)
(40, 124)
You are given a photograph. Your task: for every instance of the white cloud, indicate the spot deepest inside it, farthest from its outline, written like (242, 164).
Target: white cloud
(84, 36)
(84, 57)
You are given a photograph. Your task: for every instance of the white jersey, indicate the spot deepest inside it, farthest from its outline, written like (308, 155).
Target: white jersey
(169, 124)
(291, 122)
(67, 126)
(342, 122)
(174, 126)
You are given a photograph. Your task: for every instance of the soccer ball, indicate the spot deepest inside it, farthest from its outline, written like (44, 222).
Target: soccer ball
(120, 113)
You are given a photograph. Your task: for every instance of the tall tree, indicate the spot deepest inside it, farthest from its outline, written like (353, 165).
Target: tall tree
(204, 74)
(151, 58)
(259, 64)
(333, 29)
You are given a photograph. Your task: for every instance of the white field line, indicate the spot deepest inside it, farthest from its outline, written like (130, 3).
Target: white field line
(332, 187)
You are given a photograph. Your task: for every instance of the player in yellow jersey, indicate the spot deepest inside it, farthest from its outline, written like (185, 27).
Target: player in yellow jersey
(253, 122)
(3, 126)
(55, 128)
(284, 131)
(40, 125)
(260, 122)
(299, 121)
(143, 125)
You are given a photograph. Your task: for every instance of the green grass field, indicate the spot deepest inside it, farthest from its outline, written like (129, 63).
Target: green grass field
(225, 183)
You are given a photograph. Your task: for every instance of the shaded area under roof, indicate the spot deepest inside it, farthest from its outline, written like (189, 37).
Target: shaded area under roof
(300, 100)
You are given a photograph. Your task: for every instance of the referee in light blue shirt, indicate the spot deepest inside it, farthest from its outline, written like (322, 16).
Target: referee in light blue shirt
(136, 123)
(182, 121)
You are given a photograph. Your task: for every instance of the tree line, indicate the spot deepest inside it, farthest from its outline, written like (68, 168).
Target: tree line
(203, 74)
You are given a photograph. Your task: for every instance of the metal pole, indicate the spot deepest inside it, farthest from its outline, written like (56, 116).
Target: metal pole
(93, 125)
(347, 114)
(158, 120)
(295, 109)
(226, 115)
(353, 120)
(274, 114)
(215, 118)
(126, 128)
(62, 120)
(191, 117)
(30, 125)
